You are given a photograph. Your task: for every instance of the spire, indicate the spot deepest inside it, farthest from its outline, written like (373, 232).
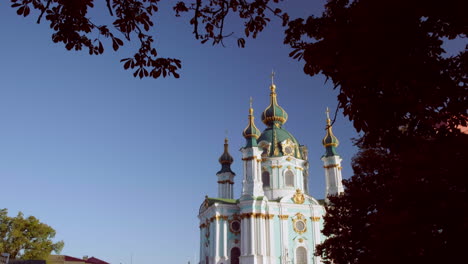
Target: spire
(274, 115)
(226, 159)
(330, 142)
(251, 132)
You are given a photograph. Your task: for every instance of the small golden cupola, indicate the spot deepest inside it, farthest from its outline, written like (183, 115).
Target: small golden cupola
(226, 159)
(274, 115)
(251, 132)
(330, 142)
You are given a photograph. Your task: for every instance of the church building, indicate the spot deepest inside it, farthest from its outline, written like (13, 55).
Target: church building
(275, 220)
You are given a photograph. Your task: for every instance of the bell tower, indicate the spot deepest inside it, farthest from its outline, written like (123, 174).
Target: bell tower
(331, 162)
(251, 156)
(225, 175)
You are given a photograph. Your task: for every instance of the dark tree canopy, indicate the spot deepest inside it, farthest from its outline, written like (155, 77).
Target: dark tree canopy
(132, 19)
(407, 201)
(386, 58)
(26, 238)
(405, 207)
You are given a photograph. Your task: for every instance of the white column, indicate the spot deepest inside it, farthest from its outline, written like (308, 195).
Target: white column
(267, 235)
(285, 235)
(243, 237)
(217, 238)
(225, 238)
(252, 236)
(258, 237)
(271, 238)
(212, 242)
(263, 239)
(201, 244)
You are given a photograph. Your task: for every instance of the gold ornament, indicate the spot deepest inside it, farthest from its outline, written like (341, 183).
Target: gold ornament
(298, 197)
(315, 218)
(300, 223)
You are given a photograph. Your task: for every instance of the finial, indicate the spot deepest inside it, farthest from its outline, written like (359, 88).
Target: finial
(328, 117)
(273, 86)
(251, 131)
(272, 77)
(330, 142)
(226, 136)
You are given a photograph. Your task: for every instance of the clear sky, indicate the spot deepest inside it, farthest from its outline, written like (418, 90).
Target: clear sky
(119, 166)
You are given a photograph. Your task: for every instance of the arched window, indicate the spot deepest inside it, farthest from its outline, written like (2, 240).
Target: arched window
(301, 255)
(289, 178)
(266, 179)
(235, 254)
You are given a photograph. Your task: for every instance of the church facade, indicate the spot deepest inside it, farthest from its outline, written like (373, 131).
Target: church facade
(275, 220)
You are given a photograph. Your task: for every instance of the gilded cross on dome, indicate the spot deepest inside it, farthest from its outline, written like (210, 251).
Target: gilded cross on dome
(328, 118)
(272, 77)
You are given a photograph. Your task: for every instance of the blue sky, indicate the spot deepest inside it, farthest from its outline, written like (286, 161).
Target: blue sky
(118, 165)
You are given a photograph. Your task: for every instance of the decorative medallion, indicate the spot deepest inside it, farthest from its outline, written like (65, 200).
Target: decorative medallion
(288, 147)
(266, 148)
(301, 240)
(300, 223)
(235, 226)
(298, 197)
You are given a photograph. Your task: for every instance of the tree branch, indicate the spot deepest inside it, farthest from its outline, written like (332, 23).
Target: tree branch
(43, 11)
(109, 7)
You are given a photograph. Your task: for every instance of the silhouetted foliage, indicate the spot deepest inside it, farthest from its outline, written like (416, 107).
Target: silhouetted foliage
(133, 19)
(385, 57)
(407, 202)
(26, 238)
(408, 206)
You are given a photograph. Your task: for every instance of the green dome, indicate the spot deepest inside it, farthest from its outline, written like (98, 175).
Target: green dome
(274, 114)
(330, 142)
(274, 136)
(251, 132)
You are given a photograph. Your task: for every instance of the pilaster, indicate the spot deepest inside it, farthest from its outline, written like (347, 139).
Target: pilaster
(333, 178)
(252, 183)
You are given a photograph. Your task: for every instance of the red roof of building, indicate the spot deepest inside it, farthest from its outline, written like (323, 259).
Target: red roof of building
(94, 260)
(68, 258)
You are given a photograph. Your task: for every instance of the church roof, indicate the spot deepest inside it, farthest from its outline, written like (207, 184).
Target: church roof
(275, 135)
(274, 115)
(226, 159)
(221, 200)
(330, 142)
(251, 132)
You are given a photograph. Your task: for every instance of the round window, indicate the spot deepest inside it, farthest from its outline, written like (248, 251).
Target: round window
(300, 226)
(235, 226)
(288, 150)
